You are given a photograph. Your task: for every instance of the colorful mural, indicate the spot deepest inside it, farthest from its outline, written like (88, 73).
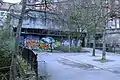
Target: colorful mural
(31, 42)
(44, 46)
(74, 43)
(45, 43)
(21, 41)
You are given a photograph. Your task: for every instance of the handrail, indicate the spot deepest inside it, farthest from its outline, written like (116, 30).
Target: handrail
(30, 57)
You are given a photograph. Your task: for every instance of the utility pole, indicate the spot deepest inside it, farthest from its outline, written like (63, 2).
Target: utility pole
(16, 51)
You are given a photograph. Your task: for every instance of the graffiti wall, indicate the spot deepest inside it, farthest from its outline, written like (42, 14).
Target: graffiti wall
(45, 43)
(31, 42)
(73, 44)
(21, 40)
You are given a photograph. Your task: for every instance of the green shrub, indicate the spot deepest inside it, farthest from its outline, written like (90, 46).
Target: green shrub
(6, 43)
(66, 49)
(4, 61)
(6, 48)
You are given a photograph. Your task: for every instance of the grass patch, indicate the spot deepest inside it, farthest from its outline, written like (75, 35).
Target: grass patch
(66, 49)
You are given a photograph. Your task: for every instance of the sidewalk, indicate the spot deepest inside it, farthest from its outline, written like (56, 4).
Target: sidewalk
(113, 64)
(63, 69)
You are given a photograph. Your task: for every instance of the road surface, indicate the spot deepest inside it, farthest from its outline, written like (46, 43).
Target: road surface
(60, 69)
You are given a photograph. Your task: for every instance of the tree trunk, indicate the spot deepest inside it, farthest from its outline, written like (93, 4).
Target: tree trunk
(115, 23)
(20, 25)
(78, 44)
(7, 24)
(86, 41)
(16, 51)
(69, 37)
(94, 41)
(77, 38)
(104, 47)
(88, 38)
(119, 23)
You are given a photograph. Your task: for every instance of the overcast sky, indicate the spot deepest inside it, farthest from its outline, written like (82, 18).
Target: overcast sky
(12, 1)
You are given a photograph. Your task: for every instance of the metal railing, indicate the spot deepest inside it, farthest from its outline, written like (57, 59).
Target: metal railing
(42, 72)
(30, 57)
(27, 67)
(39, 67)
(115, 48)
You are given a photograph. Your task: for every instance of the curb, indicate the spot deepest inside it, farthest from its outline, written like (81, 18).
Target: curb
(94, 67)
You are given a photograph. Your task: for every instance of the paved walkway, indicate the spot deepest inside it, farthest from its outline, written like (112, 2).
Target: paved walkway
(77, 66)
(112, 63)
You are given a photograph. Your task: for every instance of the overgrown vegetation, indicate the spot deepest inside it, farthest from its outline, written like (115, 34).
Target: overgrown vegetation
(6, 49)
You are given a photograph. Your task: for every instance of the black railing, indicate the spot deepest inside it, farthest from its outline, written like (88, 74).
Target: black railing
(109, 47)
(30, 57)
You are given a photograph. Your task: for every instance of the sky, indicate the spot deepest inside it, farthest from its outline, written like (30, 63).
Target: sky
(12, 1)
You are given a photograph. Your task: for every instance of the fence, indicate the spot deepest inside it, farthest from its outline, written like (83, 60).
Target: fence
(109, 47)
(30, 57)
(26, 62)
(42, 72)
(38, 66)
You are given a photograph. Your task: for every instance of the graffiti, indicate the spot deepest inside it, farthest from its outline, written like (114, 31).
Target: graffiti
(73, 43)
(21, 41)
(45, 46)
(31, 42)
(44, 43)
(57, 43)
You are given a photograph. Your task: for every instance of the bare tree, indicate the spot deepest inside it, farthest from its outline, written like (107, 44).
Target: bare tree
(16, 51)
